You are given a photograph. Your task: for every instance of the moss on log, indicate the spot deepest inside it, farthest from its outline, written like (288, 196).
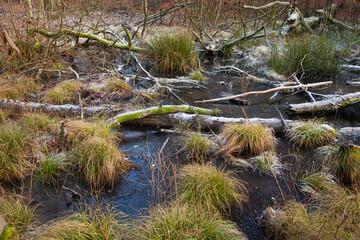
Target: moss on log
(124, 117)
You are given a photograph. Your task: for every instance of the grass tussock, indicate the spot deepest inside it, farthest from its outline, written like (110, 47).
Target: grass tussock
(37, 122)
(99, 162)
(50, 168)
(14, 153)
(19, 215)
(173, 51)
(18, 87)
(310, 134)
(335, 215)
(197, 75)
(267, 162)
(117, 85)
(75, 131)
(316, 183)
(246, 139)
(343, 160)
(318, 54)
(210, 188)
(197, 146)
(97, 224)
(63, 92)
(4, 116)
(178, 221)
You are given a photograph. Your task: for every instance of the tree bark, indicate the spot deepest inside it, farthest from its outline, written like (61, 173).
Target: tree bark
(63, 110)
(325, 105)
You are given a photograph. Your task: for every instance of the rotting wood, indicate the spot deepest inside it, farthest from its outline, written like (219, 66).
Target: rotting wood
(305, 86)
(66, 109)
(91, 36)
(326, 105)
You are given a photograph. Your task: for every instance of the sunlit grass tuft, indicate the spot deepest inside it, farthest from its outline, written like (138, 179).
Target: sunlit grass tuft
(246, 139)
(75, 131)
(18, 213)
(310, 134)
(267, 162)
(100, 162)
(197, 146)
(14, 153)
(178, 221)
(37, 122)
(50, 168)
(210, 188)
(343, 160)
(18, 87)
(63, 92)
(118, 85)
(173, 51)
(97, 224)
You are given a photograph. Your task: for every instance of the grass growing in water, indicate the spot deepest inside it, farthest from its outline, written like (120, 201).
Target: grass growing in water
(50, 167)
(14, 153)
(63, 92)
(318, 54)
(343, 160)
(100, 162)
(310, 134)
(97, 224)
(246, 139)
(210, 188)
(18, 214)
(197, 146)
(76, 131)
(267, 162)
(321, 181)
(173, 51)
(178, 221)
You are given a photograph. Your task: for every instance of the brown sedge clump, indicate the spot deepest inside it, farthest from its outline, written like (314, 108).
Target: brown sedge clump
(246, 138)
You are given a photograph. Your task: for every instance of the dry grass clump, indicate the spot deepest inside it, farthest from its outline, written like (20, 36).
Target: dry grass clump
(96, 224)
(343, 160)
(99, 162)
(14, 152)
(335, 215)
(18, 87)
(75, 131)
(117, 85)
(4, 116)
(210, 188)
(173, 51)
(63, 92)
(18, 213)
(50, 168)
(310, 134)
(246, 138)
(197, 146)
(178, 221)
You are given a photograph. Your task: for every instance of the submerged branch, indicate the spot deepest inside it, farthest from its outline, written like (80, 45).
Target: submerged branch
(305, 86)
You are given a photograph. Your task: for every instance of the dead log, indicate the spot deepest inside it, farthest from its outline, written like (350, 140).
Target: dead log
(63, 110)
(91, 36)
(305, 86)
(326, 105)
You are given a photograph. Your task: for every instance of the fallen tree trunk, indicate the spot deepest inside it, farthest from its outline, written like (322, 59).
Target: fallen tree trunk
(206, 122)
(128, 116)
(305, 86)
(325, 105)
(64, 110)
(91, 36)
